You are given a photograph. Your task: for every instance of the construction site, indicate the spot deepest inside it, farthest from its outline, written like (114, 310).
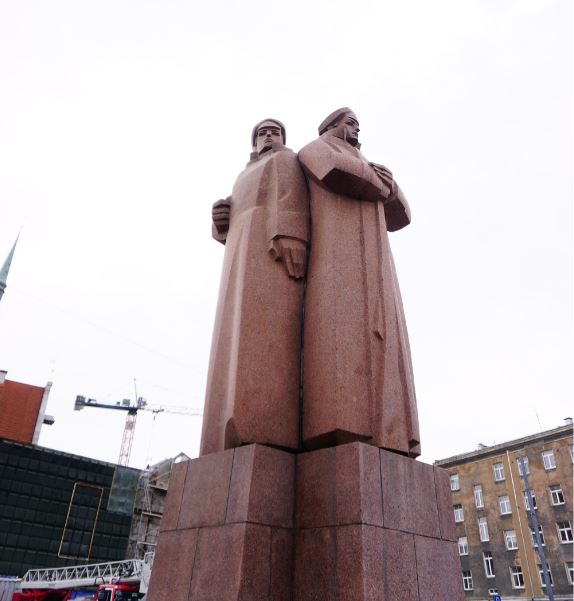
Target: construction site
(72, 527)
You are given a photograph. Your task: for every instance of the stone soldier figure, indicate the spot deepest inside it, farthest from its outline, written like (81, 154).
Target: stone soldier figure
(357, 373)
(253, 384)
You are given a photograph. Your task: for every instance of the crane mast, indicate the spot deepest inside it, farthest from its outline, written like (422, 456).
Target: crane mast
(128, 436)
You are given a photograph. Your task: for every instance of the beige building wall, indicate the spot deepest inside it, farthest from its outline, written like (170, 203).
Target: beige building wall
(509, 546)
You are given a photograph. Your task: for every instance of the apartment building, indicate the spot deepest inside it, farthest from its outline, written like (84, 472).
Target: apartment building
(512, 504)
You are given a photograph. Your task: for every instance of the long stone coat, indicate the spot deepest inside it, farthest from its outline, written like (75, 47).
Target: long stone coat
(252, 393)
(357, 373)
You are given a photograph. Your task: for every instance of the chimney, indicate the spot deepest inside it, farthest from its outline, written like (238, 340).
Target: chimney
(3, 373)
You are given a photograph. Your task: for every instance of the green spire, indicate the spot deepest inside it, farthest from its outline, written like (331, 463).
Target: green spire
(6, 267)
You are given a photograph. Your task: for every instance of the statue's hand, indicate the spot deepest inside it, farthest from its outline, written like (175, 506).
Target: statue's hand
(385, 176)
(293, 253)
(220, 214)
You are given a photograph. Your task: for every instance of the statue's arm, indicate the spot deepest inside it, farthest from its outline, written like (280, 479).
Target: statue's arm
(221, 215)
(288, 222)
(397, 210)
(293, 253)
(342, 172)
(349, 175)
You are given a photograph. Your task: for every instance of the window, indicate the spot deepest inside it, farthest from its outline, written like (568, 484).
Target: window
(564, 532)
(478, 500)
(458, 513)
(504, 503)
(510, 540)
(571, 449)
(556, 495)
(454, 482)
(483, 530)
(532, 533)
(570, 571)
(488, 564)
(541, 572)
(523, 461)
(498, 470)
(467, 580)
(527, 504)
(463, 545)
(549, 460)
(516, 577)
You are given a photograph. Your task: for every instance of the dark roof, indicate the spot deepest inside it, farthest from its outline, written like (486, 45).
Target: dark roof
(510, 445)
(62, 454)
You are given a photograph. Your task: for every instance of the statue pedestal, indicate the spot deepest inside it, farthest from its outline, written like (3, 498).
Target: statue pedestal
(373, 525)
(351, 522)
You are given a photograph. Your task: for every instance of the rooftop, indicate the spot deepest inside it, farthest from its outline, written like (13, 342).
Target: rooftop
(62, 454)
(518, 443)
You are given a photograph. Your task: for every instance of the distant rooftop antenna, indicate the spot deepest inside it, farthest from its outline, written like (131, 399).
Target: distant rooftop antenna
(537, 418)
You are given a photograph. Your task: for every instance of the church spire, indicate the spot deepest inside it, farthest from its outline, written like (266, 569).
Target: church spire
(6, 267)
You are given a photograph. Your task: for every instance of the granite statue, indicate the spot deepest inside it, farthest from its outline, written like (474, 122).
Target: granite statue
(309, 352)
(357, 374)
(253, 385)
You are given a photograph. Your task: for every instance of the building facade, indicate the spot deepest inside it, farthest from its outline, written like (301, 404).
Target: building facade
(512, 504)
(58, 509)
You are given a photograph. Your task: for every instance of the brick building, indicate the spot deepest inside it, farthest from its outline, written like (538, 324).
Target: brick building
(496, 517)
(22, 410)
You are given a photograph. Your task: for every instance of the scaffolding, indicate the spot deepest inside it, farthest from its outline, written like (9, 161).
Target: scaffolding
(149, 507)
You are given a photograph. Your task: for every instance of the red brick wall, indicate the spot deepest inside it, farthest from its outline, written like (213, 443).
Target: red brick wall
(19, 408)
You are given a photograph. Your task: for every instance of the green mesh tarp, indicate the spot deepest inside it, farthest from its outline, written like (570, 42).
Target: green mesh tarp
(123, 490)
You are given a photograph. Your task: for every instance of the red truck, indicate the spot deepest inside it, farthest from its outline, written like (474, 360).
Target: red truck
(118, 592)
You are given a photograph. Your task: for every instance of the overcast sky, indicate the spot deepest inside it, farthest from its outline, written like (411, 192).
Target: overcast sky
(122, 121)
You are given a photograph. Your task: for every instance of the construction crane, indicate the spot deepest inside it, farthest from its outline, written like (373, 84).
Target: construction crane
(131, 416)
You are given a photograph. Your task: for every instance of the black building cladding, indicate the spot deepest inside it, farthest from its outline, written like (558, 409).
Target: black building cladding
(58, 509)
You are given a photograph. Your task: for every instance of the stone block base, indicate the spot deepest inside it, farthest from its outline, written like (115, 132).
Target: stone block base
(227, 529)
(348, 523)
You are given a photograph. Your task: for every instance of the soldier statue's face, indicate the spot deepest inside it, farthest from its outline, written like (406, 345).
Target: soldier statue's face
(347, 128)
(267, 134)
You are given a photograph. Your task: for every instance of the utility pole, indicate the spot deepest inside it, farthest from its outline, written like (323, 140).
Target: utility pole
(533, 521)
